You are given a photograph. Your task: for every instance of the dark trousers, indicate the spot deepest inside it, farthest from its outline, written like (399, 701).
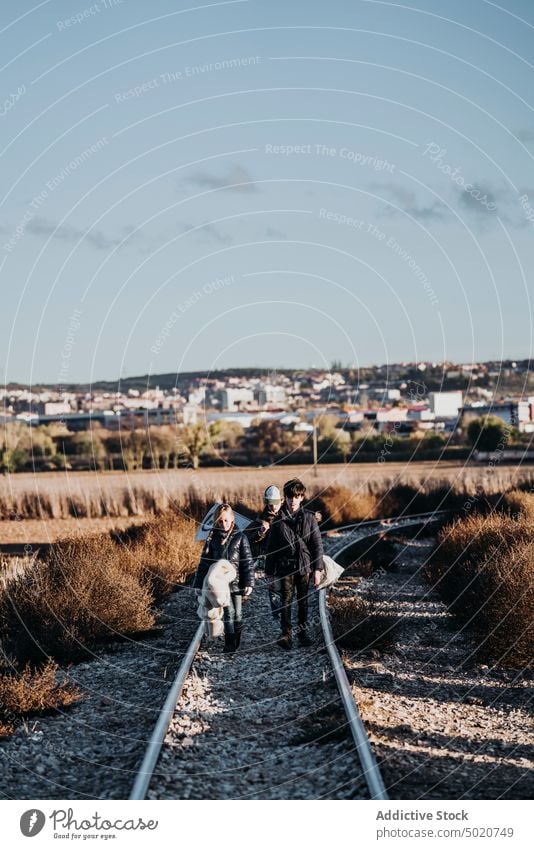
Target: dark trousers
(288, 586)
(233, 614)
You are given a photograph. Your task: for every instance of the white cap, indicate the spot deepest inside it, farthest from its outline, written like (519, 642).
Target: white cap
(272, 495)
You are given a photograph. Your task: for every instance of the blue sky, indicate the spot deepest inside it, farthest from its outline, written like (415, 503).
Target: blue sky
(263, 183)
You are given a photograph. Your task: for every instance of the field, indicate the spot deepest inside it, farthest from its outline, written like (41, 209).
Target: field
(47, 506)
(90, 588)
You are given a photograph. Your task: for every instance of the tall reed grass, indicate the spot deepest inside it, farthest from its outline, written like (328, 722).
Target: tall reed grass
(369, 490)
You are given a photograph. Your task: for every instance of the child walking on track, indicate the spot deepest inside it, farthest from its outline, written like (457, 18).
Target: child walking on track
(226, 542)
(295, 557)
(258, 535)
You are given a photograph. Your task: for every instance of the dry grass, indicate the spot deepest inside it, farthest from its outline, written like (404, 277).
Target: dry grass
(122, 494)
(483, 566)
(32, 691)
(84, 591)
(421, 497)
(163, 551)
(81, 593)
(97, 588)
(361, 624)
(518, 503)
(340, 506)
(44, 531)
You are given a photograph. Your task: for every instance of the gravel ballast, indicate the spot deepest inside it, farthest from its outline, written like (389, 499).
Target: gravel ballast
(261, 724)
(93, 749)
(443, 725)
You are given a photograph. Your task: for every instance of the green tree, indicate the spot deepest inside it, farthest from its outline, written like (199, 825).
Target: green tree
(488, 432)
(42, 444)
(433, 440)
(270, 440)
(341, 443)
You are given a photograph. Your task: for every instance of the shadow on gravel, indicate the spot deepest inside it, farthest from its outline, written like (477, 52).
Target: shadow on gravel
(464, 745)
(322, 726)
(438, 688)
(428, 775)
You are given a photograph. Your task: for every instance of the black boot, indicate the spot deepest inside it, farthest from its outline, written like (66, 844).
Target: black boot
(304, 638)
(238, 631)
(229, 643)
(285, 641)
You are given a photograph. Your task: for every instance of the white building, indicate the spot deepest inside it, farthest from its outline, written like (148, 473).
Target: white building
(56, 408)
(445, 403)
(198, 396)
(269, 393)
(190, 414)
(233, 399)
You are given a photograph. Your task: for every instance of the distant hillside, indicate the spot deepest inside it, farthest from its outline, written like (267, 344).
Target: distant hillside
(502, 378)
(164, 381)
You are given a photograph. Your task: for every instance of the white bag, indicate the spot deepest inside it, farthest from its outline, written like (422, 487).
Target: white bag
(332, 572)
(215, 596)
(217, 583)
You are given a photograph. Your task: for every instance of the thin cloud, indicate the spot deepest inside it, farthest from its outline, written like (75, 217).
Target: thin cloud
(207, 232)
(486, 202)
(96, 238)
(273, 233)
(483, 202)
(214, 234)
(236, 179)
(407, 200)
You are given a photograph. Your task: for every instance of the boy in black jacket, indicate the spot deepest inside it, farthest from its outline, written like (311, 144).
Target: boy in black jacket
(294, 555)
(258, 534)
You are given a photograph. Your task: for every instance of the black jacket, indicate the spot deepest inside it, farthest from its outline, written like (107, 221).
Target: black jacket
(238, 553)
(294, 544)
(256, 535)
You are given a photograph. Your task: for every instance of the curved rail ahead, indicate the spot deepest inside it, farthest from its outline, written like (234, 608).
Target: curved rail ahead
(370, 767)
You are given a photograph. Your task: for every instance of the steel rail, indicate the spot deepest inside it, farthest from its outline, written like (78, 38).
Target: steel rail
(148, 765)
(371, 770)
(384, 521)
(363, 746)
(370, 767)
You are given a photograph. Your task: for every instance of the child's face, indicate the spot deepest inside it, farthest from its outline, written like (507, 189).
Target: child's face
(294, 502)
(225, 521)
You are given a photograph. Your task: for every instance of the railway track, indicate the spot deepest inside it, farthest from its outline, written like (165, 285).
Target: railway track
(265, 724)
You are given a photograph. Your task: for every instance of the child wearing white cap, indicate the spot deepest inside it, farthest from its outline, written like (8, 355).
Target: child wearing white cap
(258, 533)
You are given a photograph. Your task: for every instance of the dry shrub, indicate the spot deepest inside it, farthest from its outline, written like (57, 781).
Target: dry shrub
(467, 540)
(162, 552)
(95, 588)
(361, 624)
(81, 593)
(483, 567)
(12, 566)
(341, 506)
(518, 503)
(32, 691)
(413, 498)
